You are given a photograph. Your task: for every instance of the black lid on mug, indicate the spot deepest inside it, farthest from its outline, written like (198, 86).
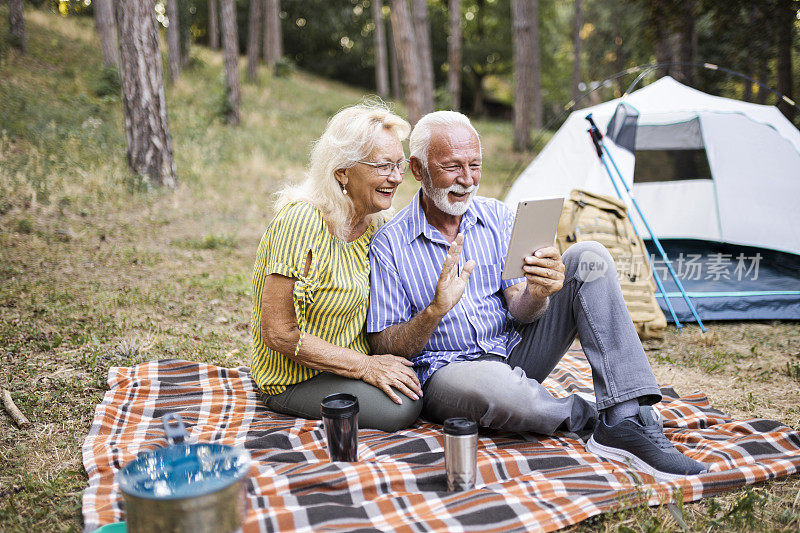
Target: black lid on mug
(460, 426)
(339, 405)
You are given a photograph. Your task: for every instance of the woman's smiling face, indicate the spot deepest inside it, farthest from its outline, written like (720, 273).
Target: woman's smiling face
(369, 191)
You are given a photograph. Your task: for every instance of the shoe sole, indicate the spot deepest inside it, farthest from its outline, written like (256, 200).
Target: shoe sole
(627, 458)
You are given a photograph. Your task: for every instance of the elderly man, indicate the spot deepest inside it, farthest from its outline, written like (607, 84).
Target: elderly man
(481, 345)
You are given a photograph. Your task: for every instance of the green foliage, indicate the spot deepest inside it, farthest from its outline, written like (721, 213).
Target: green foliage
(108, 82)
(331, 39)
(50, 119)
(137, 183)
(208, 242)
(219, 102)
(793, 367)
(283, 67)
(487, 45)
(14, 41)
(194, 62)
(25, 226)
(744, 513)
(615, 39)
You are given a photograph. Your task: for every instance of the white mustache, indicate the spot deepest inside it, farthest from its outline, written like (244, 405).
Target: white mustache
(460, 189)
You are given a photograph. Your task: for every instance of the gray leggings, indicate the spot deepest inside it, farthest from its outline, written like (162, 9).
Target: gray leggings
(376, 409)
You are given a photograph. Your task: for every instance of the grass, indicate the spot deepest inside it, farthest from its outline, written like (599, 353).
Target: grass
(97, 271)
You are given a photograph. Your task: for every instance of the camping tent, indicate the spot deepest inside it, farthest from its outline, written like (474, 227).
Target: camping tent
(715, 177)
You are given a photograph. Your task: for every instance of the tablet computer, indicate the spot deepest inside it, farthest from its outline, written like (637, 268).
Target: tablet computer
(534, 227)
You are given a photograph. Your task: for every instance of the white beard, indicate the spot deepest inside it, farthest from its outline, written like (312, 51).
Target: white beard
(440, 199)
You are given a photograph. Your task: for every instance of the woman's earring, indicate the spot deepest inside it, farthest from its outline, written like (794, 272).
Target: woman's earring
(344, 189)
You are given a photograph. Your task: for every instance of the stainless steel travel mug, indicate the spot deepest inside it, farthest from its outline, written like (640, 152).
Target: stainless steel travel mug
(460, 453)
(340, 418)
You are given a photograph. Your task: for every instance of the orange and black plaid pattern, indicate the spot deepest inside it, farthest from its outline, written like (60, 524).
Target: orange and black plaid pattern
(525, 481)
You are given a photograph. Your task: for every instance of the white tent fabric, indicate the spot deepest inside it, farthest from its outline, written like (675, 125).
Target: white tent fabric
(753, 154)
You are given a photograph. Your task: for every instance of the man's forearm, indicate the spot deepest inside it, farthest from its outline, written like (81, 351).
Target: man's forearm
(526, 308)
(409, 338)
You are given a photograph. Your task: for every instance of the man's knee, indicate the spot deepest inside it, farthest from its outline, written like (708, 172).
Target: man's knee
(494, 399)
(453, 391)
(588, 260)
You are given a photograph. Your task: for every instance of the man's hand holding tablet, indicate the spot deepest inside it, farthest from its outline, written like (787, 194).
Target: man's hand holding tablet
(531, 252)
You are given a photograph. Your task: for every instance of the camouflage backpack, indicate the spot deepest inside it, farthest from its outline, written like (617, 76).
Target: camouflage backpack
(595, 217)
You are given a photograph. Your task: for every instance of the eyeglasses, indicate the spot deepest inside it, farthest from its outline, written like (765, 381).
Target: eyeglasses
(385, 168)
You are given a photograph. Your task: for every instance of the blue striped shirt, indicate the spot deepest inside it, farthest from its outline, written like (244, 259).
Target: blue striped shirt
(406, 257)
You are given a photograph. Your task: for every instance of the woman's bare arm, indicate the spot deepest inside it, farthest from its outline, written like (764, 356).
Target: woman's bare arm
(280, 332)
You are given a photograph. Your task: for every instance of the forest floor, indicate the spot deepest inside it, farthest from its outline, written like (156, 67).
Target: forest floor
(99, 271)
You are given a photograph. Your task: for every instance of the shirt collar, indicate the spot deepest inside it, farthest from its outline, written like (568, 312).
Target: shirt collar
(418, 224)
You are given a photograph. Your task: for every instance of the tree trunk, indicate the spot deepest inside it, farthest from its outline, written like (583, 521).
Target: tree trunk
(747, 96)
(185, 31)
(273, 41)
(763, 77)
(17, 36)
(396, 92)
(104, 24)
(269, 53)
(577, 42)
(381, 63)
(173, 41)
(687, 43)
(663, 37)
(407, 57)
(213, 25)
(144, 106)
(619, 57)
(454, 55)
(479, 102)
(478, 74)
(662, 47)
(523, 72)
(230, 43)
(254, 39)
(422, 34)
(786, 17)
(277, 35)
(537, 65)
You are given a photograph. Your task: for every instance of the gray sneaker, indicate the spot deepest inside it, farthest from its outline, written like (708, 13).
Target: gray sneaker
(640, 443)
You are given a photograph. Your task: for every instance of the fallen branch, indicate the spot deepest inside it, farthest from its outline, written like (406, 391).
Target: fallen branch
(14, 411)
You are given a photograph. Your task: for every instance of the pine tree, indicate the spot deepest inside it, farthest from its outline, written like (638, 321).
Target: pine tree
(144, 106)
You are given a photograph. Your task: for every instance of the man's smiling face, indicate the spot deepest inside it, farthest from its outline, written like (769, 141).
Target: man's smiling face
(454, 169)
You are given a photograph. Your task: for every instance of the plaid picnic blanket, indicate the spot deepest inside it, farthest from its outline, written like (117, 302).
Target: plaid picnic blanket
(525, 481)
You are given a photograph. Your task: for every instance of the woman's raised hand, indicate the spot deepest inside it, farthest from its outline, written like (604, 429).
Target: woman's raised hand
(385, 371)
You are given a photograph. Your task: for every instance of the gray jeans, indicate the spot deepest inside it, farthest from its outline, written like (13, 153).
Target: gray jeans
(507, 393)
(376, 409)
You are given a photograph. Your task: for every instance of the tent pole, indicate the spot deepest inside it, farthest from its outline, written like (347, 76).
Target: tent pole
(600, 147)
(678, 324)
(597, 140)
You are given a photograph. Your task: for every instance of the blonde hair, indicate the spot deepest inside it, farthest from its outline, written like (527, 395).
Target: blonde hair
(349, 136)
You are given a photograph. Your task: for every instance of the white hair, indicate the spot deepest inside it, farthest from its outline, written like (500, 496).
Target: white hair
(420, 139)
(349, 136)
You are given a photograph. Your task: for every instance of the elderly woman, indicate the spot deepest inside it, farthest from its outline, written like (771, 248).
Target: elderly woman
(311, 278)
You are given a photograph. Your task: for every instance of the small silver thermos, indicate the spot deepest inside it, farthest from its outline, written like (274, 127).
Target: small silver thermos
(460, 453)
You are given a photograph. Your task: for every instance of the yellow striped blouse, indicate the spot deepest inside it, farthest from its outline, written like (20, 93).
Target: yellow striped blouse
(330, 301)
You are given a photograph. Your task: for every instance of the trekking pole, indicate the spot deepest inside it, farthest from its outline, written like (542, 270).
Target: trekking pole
(597, 138)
